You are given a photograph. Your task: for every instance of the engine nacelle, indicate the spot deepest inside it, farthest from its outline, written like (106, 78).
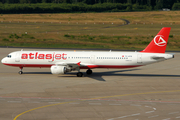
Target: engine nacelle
(58, 69)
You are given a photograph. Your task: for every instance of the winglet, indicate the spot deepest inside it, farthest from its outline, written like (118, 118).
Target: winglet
(159, 43)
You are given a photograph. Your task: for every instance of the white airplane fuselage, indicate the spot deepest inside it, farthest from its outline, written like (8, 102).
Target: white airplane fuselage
(90, 59)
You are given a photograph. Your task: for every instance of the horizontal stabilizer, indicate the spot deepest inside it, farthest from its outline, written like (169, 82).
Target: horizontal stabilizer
(158, 58)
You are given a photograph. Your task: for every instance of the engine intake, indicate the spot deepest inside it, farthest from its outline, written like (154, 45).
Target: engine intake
(58, 69)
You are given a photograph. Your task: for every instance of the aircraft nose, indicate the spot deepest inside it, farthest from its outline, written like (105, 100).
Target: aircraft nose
(3, 60)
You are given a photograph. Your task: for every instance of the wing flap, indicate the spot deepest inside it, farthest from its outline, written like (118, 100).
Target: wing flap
(72, 65)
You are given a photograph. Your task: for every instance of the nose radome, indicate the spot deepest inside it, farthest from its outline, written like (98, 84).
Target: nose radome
(2, 61)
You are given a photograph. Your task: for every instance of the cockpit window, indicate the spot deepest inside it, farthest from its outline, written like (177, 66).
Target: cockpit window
(9, 56)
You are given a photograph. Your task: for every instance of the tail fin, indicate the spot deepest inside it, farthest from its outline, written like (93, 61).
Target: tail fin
(159, 43)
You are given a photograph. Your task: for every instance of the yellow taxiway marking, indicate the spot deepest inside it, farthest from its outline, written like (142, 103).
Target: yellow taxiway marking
(95, 99)
(40, 108)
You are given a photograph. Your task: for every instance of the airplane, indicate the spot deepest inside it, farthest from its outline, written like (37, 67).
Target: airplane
(61, 62)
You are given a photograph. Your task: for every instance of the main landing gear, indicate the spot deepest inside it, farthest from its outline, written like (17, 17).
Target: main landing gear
(80, 74)
(20, 72)
(89, 72)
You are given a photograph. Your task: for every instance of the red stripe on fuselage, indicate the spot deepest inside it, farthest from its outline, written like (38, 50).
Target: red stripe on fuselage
(84, 67)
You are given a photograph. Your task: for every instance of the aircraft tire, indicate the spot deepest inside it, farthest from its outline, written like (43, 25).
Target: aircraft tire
(20, 72)
(79, 74)
(89, 72)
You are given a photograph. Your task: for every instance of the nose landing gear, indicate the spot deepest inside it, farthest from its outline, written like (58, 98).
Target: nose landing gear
(20, 72)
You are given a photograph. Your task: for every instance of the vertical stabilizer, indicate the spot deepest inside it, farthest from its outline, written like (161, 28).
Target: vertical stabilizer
(159, 43)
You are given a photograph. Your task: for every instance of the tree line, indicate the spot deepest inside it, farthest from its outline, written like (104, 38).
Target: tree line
(66, 6)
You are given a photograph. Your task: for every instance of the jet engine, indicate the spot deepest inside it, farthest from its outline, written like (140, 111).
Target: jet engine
(58, 69)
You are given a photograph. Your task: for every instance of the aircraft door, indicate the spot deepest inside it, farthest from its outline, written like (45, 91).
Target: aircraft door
(93, 59)
(17, 58)
(139, 58)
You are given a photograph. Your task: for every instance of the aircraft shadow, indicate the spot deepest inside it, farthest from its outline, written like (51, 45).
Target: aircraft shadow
(98, 75)
(37, 73)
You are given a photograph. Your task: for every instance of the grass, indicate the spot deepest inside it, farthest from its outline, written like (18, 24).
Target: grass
(106, 18)
(88, 30)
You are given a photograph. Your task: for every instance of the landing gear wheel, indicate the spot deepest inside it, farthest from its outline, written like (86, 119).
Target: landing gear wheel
(89, 72)
(79, 74)
(20, 72)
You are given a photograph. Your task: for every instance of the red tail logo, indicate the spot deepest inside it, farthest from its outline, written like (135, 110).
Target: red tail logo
(159, 43)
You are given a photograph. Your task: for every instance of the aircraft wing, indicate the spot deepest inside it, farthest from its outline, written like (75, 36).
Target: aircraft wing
(72, 65)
